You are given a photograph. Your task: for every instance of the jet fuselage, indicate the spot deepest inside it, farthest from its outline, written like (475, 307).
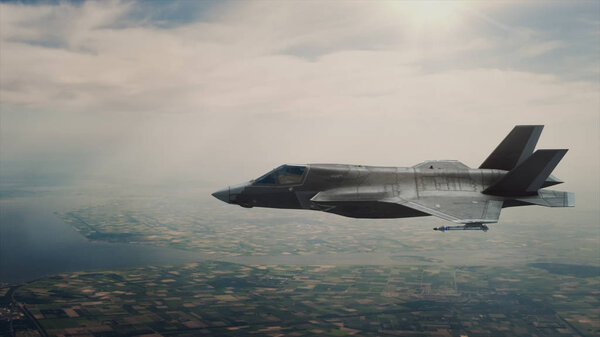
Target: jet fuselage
(357, 190)
(512, 175)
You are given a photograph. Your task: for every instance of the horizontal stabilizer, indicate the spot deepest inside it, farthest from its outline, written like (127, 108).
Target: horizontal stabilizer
(551, 198)
(529, 176)
(514, 149)
(551, 181)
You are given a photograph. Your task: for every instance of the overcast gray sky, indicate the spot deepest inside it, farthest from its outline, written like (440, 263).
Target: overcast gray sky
(214, 93)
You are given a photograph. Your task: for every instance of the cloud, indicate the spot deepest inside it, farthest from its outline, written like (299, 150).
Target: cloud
(541, 48)
(249, 85)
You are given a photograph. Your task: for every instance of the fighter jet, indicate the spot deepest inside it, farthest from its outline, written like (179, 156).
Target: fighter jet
(512, 175)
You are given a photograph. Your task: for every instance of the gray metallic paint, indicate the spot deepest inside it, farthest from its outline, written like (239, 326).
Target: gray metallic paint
(447, 188)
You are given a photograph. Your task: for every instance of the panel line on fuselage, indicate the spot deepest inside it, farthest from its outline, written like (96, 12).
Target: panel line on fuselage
(416, 182)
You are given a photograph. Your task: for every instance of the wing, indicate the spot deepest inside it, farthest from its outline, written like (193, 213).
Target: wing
(457, 209)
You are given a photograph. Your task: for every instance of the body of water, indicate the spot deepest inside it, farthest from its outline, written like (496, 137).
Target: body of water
(35, 242)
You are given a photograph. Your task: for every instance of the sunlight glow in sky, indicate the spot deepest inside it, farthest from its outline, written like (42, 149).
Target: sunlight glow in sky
(433, 14)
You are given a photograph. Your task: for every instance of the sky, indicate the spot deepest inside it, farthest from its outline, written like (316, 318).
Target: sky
(215, 93)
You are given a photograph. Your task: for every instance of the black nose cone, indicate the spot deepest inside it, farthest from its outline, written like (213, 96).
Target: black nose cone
(222, 194)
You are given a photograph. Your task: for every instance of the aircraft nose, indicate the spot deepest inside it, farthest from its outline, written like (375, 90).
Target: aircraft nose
(222, 194)
(236, 190)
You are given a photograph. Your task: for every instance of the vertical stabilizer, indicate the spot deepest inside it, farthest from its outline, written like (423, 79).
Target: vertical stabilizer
(514, 149)
(529, 176)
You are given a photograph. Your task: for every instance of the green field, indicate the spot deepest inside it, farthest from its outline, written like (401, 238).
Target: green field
(229, 299)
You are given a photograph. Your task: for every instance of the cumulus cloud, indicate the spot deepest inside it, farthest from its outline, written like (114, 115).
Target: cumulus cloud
(249, 85)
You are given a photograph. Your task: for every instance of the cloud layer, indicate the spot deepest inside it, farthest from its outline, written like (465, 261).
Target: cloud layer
(111, 90)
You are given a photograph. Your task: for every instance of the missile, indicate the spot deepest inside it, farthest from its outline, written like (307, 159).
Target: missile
(468, 227)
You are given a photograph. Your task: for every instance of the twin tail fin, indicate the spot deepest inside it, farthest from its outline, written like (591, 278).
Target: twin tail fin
(528, 176)
(514, 149)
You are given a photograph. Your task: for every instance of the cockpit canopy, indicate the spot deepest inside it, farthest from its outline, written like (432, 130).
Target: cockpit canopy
(283, 175)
